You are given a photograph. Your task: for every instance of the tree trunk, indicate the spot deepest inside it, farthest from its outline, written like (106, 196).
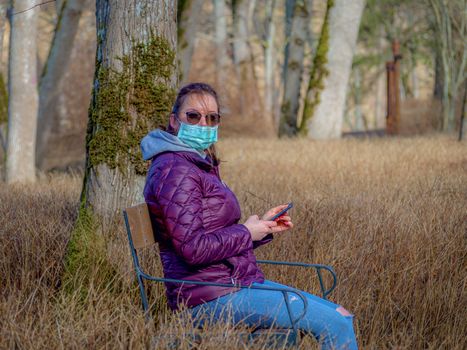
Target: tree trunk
(222, 60)
(22, 92)
(359, 122)
(3, 94)
(289, 9)
(293, 71)
(58, 5)
(379, 121)
(463, 112)
(243, 57)
(250, 103)
(68, 110)
(3, 19)
(439, 83)
(344, 21)
(3, 118)
(134, 88)
(188, 23)
(57, 64)
(270, 60)
(447, 102)
(450, 25)
(414, 80)
(449, 112)
(380, 96)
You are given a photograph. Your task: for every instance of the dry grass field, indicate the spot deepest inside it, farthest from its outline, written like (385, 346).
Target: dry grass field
(390, 215)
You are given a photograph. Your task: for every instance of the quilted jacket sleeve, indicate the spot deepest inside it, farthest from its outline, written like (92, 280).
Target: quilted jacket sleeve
(264, 241)
(180, 198)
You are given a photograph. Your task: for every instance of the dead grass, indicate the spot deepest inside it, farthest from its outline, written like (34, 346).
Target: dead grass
(390, 215)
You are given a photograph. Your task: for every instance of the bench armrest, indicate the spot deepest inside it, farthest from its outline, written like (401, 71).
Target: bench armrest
(318, 267)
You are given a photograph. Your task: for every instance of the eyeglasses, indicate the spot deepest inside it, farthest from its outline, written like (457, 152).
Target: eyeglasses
(212, 119)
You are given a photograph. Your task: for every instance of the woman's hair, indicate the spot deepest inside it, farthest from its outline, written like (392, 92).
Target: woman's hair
(195, 89)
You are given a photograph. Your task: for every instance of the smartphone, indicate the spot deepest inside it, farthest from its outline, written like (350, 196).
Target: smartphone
(281, 212)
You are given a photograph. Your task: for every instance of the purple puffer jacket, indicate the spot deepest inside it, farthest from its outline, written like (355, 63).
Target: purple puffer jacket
(195, 218)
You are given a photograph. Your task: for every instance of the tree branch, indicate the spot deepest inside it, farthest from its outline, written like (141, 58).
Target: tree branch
(42, 3)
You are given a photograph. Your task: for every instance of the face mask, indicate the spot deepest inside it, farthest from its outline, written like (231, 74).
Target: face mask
(197, 137)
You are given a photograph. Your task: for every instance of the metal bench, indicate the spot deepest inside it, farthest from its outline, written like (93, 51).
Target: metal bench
(141, 235)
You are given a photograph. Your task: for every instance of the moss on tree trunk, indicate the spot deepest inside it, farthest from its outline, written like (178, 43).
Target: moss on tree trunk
(318, 73)
(130, 103)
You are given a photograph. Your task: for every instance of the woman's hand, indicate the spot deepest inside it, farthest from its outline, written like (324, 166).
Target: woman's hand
(283, 221)
(261, 228)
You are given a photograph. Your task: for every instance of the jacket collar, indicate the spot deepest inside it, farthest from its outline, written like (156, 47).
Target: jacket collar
(205, 164)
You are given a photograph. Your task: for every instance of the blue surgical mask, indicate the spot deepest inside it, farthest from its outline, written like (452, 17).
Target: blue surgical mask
(196, 136)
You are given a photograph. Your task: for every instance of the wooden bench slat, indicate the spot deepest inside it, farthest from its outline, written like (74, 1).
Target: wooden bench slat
(140, 226)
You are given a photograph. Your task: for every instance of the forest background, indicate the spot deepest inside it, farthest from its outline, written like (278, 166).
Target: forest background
(302, 83)
(266, 59)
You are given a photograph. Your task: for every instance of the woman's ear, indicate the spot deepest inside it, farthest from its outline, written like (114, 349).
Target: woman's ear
(173, 122)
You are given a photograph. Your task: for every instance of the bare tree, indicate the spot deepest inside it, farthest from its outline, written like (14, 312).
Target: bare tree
(222, 59)
(3, 117)
(66, 146)
(188, 20)
(327, 117)
(4, 5)
(51, 83)
(450, 22)
(242, 50)
(22, 92)
(251, 105)
(134, 88)
(463, 113)
(289, 8)
(269, 59)
(3, 94)
(293, 66)
(3, 20)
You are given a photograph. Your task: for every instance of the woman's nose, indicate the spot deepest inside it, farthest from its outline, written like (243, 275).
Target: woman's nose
(202, 121)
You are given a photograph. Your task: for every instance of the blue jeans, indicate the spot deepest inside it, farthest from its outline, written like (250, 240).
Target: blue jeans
(329, 323)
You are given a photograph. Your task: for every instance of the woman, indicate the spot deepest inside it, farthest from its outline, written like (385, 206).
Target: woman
(196, 220)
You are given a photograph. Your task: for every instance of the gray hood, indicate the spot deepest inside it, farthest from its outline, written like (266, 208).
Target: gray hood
(158, 141)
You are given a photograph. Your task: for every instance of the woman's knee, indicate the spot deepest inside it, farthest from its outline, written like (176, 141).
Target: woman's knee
(343, 322)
